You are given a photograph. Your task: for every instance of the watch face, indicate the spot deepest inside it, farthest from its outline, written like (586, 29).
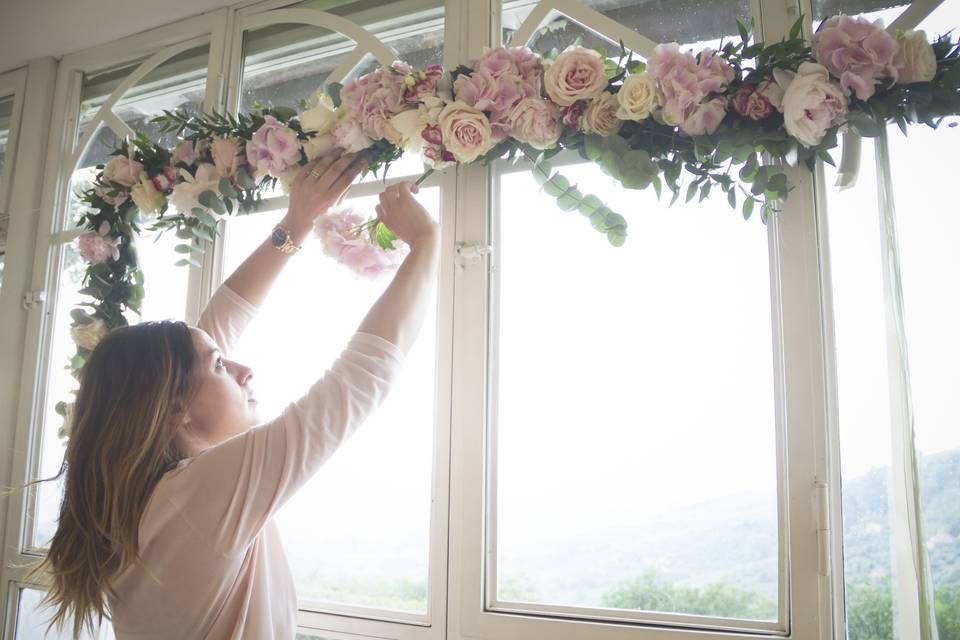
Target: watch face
(278, 237)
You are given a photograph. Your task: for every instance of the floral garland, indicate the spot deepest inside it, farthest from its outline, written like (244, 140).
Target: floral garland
(711, 117)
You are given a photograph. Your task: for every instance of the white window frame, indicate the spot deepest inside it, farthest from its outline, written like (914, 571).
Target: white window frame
(800, 395)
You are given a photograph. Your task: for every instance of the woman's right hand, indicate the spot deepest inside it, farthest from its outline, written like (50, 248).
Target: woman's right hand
(406, 217)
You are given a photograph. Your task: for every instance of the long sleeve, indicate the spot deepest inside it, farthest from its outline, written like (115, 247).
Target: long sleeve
(226, 317)
(229, 492)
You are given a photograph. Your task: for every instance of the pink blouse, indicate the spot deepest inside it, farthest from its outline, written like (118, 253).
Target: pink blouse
(213, 562)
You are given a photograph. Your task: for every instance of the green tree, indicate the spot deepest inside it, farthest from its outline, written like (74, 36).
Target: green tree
(947, 604)
(870, 610)
(652, 592)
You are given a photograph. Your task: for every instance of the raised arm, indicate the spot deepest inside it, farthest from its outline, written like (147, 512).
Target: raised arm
(318, 185)
(398, 314)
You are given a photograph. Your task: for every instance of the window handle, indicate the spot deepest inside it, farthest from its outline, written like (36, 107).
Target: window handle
(33, 299)
(471, 253)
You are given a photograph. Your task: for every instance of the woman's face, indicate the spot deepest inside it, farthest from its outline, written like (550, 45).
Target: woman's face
(223, 404)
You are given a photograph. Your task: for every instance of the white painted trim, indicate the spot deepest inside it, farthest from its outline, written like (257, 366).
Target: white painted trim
(19, 325)
(12, 85)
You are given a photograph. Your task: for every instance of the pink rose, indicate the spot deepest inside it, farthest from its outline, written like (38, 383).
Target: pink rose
(812, 104)
(227, 156)
(273, 150)
(98, 246)
(122, 170)
(466, 131)
(577, 74)
(705, 118)
(858, 52)
(537, 122)
(183, 153)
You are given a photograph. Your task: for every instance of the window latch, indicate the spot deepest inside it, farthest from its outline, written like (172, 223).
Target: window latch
(470, 253)
(821, 513)
(33, 299)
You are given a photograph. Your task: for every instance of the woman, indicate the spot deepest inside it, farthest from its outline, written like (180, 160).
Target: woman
(166, 523)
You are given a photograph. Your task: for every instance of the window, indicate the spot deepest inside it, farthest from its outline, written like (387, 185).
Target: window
(892, 247)
(11, 86)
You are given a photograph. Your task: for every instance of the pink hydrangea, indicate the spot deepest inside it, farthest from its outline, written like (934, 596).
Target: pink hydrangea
(273, 150)
(686, 81)
(516, 61)
(374, 98)
(496, 95)
(98, 246)
(337, 231)
(858, 52)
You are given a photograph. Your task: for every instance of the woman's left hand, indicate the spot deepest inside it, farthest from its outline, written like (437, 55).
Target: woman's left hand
(320, 184)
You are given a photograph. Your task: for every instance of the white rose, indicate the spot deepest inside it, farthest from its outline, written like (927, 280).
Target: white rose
(320, 118)
(920, 62)
(146, 197)
(186, 194)
(88, 335)
(812, 104)
(404, 129)
(639, 97)
(600, 115)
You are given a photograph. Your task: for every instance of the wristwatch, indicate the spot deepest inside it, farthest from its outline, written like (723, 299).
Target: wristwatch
(280, 238)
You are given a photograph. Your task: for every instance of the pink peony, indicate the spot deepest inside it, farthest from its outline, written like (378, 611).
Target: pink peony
(812, 104)
(860, 53)
(273, 150)
(537, 122)
(227, 156)
(122, 170)
(98, 246)
(577, 74)
(183, 153)
(337, 231)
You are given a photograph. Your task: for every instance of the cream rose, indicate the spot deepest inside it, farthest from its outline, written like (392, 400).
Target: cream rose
(404, 129)
(146, 197)
(320, 119)
(601, 115)
(920, 62)
(576, 74)
(639, 97)
(88, 335)
(465, 130)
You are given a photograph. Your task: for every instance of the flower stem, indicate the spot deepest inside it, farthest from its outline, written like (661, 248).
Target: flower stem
(426, 174)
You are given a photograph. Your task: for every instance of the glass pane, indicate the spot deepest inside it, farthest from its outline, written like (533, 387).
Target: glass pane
(32, 621)
(6, 115)
(863, 399)
(871, 9)
(285, 63)
(177, 83)
(652, 484)
(358, 532)
(702, 23)
(928, 233)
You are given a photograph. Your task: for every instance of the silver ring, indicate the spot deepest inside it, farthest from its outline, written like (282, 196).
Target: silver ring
(314, 173)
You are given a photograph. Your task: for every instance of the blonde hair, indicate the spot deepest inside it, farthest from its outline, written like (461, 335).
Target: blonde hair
(133, 391)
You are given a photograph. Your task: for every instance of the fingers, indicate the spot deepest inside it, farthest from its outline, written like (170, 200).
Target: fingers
(349, 174)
